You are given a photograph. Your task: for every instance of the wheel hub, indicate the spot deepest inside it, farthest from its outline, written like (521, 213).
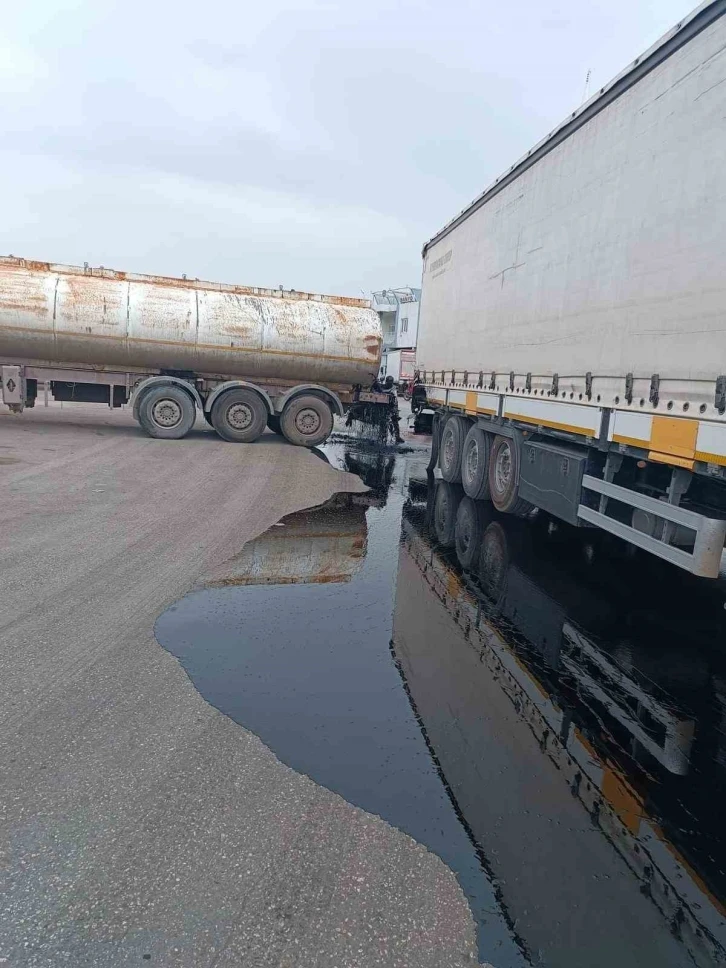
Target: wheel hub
(239, 416)
(307, 421)
(166, 413)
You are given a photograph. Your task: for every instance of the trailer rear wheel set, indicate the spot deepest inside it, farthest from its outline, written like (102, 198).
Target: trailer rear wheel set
(485, 464)
(239, 415)
(623, 494)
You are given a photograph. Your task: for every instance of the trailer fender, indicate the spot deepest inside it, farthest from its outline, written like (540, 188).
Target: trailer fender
(156, 381)
(315, 389)
(209, 402)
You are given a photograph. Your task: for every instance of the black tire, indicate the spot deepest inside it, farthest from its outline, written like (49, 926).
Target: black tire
(471, 519)
(431, 488)
(494, 561)
(208, 417)
(273, 424)
(504, 464)
(475, 464)
(167, 412)
(239, 415)
(451, 447)
(307, 421)
(446, 504)
(435, 439)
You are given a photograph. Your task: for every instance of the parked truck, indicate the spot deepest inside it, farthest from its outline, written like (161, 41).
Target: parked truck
(399, 364)
(573, 318)
(245, 357)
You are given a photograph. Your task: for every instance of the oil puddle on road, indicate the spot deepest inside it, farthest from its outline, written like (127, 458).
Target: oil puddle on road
(296, 647)
(546, 715)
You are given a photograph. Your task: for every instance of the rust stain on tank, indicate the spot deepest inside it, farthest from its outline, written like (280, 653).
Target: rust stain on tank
(373, 345)
(34, 266)
(39, 309)
(180, 283)
(211, 328)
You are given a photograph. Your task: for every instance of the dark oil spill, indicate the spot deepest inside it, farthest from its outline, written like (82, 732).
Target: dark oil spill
(543, 711)
(296, 647)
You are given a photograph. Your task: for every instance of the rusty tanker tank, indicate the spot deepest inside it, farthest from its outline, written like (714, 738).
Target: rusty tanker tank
(96, 334)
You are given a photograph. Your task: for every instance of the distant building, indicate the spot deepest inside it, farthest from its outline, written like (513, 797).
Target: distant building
(398, 311)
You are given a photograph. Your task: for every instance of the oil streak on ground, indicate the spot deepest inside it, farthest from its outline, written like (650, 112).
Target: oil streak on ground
(549, 722)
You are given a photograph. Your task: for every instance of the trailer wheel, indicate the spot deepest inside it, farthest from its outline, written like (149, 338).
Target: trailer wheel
(166, 412)
(471, 519)
(446, 504)
(475, 464)
(239, 415)
(273, 423)
(435, 440)
(451, 447)
(504, 462)
(494, 561)
(307, 421)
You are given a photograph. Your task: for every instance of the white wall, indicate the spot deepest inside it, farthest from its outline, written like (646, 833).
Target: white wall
(407, 327)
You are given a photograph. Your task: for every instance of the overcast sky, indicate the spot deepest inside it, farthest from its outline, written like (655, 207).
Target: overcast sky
(314, 145)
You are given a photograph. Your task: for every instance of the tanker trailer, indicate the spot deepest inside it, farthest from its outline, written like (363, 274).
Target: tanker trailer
(246, 357)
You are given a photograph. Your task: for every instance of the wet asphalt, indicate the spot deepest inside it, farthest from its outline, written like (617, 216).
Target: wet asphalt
(139, 825)
(363, 713)
(538, 706)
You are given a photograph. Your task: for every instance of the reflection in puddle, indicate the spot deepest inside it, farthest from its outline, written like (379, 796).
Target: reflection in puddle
(577, 713)
(551, 725)
(301, 656)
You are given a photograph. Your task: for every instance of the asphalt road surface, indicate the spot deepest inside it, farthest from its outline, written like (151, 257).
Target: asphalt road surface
(138, 825)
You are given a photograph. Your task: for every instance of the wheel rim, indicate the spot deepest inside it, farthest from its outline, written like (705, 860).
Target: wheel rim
(472, 460)
(503, 468)
(307, 421)
(166, 413)
(239, 416)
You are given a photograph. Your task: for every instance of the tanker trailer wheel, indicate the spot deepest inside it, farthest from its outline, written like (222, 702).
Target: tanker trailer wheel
(273, 423)
(475, 464)
(239, 415)
(451, 448)
(307, 421)
(166, 412)
(504, 463)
